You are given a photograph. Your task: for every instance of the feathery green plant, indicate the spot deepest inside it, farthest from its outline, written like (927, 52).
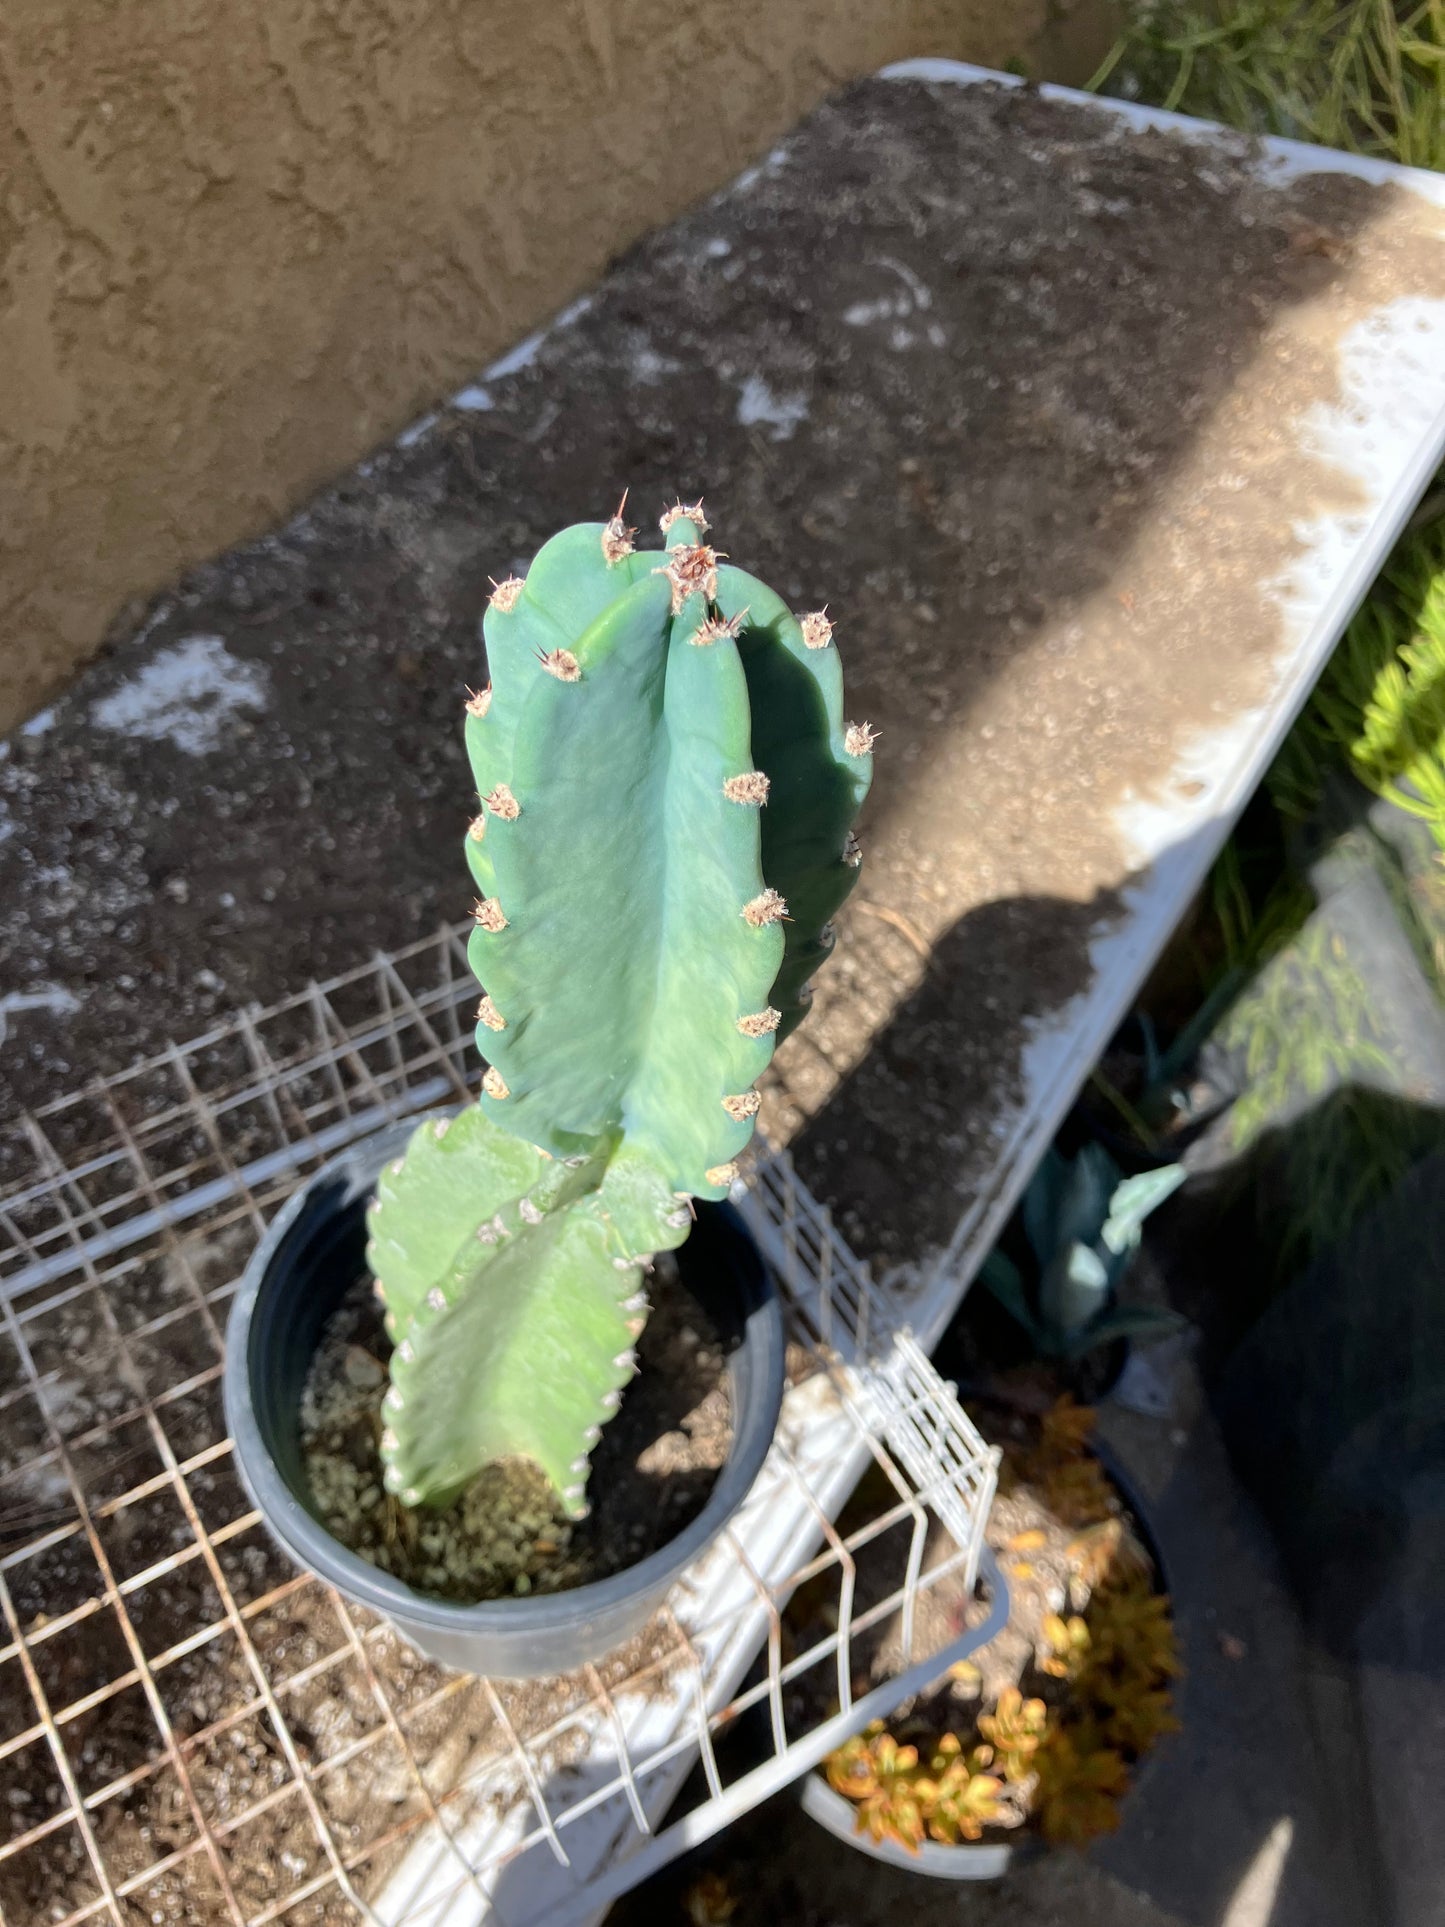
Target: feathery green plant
(1380, 705)
(1364, 75)
(667, 789)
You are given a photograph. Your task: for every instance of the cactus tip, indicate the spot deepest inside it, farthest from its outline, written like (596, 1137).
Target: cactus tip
(616, 536)
(859, 739)
(479, 701)
(529, 1211)
(488, 913)
(751, 787)
(504, 594)
(680, 513)
(692, 570)
(817, 630)
(436, 1299)
(852, 851)
(742, 1105)
(488, 1014)
(477, 828)
(722, 1174)
(494, 1084)
(765, 909)
(760, 1023)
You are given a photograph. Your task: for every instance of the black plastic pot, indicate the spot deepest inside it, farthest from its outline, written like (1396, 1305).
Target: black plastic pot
(304, 1266)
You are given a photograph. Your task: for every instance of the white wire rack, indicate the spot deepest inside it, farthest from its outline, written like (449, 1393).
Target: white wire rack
(192, 1731)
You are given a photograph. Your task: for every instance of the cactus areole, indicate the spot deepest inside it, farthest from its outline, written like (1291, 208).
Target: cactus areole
(667, 787)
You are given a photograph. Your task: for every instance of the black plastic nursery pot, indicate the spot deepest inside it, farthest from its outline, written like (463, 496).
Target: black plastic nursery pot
(302, 1269)
(976, 1859)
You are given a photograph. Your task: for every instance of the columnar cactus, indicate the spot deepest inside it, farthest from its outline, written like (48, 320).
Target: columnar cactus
(667, 791)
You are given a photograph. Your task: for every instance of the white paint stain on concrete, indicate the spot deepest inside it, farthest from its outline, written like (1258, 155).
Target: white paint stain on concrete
(758, 403)
(525, 352)
(902, 308)
(648, 365)
(186, 695)
(751, 175)
(49, 997)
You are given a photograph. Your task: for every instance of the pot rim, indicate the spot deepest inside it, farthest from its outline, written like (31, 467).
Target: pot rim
(316, 1550)
(968, 1860)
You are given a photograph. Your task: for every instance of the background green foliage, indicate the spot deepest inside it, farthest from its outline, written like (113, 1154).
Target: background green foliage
(1367, 76)
(1380, 705)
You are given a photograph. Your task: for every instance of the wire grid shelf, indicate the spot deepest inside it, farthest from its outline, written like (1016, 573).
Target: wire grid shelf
(192, 1731)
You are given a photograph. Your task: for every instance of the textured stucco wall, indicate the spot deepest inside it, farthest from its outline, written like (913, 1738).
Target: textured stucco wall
(240, 244)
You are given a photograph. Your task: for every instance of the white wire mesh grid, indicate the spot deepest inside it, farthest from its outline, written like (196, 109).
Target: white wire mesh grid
(192, 1731)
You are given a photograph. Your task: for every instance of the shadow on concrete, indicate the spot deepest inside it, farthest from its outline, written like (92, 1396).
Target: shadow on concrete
(900, 1147)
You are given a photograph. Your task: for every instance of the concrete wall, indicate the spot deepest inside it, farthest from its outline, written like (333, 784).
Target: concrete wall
(239, 244)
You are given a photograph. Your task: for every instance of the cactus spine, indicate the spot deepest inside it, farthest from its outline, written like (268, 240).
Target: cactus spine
(667, 788)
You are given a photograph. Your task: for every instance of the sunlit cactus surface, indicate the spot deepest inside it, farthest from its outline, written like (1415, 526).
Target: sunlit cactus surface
(666, 788)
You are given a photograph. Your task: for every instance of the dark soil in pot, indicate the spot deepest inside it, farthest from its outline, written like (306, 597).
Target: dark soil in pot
(652, 1471)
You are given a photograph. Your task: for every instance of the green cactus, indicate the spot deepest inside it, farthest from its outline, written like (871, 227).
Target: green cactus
(667, 790)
